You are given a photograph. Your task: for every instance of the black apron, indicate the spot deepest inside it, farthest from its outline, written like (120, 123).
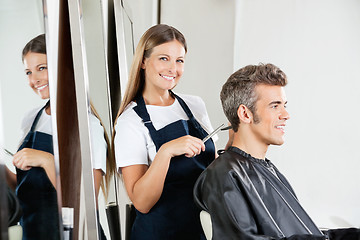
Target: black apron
(175, 215)
(36, 193)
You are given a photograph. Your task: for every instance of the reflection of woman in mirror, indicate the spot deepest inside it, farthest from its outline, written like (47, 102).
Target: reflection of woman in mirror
(35, 180)
(103, 164)
(158, 142)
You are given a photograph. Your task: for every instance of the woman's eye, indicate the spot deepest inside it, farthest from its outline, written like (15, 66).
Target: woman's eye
(42, 68)
(180, 60)
(27, 72)
(163, 58)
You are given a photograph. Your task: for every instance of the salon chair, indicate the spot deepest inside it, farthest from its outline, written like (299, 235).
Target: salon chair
(206, 224)
(14, 210)
(15, 232)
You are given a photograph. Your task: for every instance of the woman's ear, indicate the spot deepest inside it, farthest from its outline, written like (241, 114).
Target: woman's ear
(143, 63)
(244, 114)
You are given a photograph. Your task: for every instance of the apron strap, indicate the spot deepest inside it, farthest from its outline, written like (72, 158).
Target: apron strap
(183, 105)
(36, 120)
(188, 112)
(142, 112)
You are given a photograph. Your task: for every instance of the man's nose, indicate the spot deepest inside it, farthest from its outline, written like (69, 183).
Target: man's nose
(285, 114)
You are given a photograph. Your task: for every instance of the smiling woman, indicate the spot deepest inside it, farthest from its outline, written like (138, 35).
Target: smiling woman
(36, 70)
(157, 141)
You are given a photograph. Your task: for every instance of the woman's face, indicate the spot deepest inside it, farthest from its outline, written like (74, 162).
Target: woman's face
(36, 71)
(165, 66)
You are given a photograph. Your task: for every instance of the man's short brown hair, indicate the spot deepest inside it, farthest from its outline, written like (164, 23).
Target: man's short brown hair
(240, 88)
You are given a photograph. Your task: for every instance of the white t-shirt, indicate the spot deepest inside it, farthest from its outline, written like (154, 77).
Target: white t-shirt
(98, 143)
(43, 125)
(133, 143)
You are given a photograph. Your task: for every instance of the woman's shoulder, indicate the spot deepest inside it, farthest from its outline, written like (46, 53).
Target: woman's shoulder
(129, 114)
(128, 118)
(94, 120)
(32, 112)
(29, 116)
(198, 108)
(130, 130)
(27, 120)
(195, 103)
(95, 125)
(190, 98)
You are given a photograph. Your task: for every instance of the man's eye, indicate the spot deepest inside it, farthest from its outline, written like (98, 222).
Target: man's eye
(275, 106)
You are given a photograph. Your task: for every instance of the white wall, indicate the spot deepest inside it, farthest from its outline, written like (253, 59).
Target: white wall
(317, 44)
(143, 15)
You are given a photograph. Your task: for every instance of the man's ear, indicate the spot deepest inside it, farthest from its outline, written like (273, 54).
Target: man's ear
(244, 114)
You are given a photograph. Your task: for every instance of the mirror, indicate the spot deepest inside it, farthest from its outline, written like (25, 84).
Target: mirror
(35, 185)
(31, 13)
(28, 15)
(94, 25)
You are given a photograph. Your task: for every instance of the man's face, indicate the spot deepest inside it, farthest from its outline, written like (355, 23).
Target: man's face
(271, 114)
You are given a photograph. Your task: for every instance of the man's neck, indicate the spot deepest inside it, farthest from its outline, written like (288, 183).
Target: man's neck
(248, 145)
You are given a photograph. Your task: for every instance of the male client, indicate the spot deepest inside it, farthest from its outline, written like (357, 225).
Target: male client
(245, 194)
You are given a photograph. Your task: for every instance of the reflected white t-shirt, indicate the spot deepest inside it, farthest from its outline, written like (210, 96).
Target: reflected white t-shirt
(43, 125)
(98, 143)
(133, 144)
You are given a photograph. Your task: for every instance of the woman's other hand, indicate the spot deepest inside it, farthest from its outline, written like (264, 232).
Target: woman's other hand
(188, 145)
(27, 158)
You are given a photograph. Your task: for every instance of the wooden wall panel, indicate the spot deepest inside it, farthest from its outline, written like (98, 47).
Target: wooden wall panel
(67, 121)
(113, 63)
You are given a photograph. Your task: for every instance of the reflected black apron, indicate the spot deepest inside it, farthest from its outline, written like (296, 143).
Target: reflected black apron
(36, 193)
(175, 215)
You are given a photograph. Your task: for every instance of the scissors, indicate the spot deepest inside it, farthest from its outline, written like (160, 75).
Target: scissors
(8, 152)
(219, 128)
